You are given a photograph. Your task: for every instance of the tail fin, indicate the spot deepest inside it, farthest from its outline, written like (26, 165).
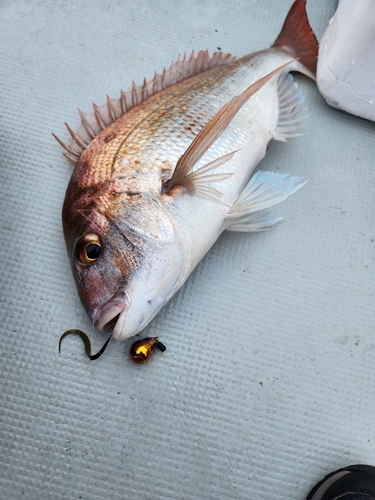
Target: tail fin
(298, 39)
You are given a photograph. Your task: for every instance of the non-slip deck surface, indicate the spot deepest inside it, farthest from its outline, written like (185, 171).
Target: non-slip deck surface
(268, 378)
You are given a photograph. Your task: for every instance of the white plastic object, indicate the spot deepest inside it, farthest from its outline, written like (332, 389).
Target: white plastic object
(346, 62)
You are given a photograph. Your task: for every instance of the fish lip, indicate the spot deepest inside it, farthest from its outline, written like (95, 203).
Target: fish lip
(117, 305)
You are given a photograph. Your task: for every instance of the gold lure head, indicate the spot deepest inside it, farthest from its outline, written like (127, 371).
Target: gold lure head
(141, 351)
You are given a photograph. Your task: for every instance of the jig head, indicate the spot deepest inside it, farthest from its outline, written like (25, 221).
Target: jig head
(141, 351)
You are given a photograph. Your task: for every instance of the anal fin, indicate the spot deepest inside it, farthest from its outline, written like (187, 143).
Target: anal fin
(264, 190)
(292, 110)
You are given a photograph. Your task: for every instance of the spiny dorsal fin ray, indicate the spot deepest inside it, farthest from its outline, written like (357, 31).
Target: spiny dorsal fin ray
(86, 125)
(76, 138)
(72, 155)
(210, 133)
(92, 124)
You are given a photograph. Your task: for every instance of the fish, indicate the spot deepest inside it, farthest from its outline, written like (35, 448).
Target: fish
(164, 169)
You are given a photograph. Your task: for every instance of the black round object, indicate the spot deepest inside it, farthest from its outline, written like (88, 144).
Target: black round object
(93, 251)
(356, 482)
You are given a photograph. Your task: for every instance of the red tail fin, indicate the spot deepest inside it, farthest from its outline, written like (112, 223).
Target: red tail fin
(297, 37)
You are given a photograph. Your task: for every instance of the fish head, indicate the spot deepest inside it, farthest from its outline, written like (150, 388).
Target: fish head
(125, 258)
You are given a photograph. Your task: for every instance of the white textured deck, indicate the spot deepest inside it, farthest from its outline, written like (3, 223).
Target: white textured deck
(269, 374)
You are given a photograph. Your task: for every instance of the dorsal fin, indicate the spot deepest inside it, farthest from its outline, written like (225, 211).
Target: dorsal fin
(92, 124)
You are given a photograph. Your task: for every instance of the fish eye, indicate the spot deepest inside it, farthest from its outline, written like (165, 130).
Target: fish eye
(88, 248)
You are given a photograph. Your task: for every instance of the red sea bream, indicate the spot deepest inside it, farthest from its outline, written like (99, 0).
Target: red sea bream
(162, 171)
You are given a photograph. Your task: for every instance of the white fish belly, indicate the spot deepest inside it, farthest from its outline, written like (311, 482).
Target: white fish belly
(199, 221)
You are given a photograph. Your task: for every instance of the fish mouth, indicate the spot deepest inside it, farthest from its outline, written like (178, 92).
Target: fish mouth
(113, 312)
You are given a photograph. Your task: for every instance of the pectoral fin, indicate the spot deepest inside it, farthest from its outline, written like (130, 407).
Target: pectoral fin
(199, 182)
(182, 175)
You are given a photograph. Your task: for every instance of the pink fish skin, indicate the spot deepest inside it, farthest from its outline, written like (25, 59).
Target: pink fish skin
(162, 171)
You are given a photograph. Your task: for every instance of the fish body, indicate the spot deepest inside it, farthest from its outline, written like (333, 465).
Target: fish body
(164, 170)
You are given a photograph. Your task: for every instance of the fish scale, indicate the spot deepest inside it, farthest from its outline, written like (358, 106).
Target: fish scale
(170, 166)
(157, 123)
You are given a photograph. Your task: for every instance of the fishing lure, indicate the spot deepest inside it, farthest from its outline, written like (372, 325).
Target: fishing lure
(86, 342)
(140, 352)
